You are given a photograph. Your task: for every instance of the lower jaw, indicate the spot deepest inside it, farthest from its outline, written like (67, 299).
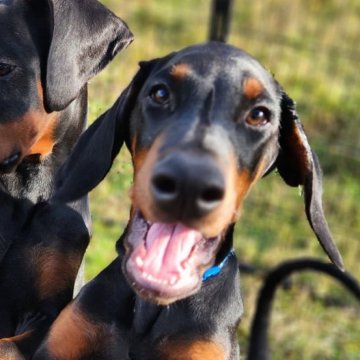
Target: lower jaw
(156, 295)
(156, 290)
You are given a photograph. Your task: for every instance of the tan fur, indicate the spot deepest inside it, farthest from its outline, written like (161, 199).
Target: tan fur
(197, 350)
(237, 186)
(144, 163)
(180, 71)
(73, 334)
(55, 271)
(33, 133)
(252, 88)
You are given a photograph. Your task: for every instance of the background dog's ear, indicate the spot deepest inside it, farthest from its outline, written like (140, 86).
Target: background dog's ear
(299, 165)
(85, 37)
(98, 146)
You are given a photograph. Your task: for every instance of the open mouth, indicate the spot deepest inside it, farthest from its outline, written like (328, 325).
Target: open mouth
(165, 262)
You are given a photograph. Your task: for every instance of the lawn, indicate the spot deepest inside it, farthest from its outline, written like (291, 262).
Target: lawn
(312, 49)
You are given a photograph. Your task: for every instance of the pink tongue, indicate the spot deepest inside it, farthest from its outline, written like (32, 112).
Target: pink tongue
(167, 247)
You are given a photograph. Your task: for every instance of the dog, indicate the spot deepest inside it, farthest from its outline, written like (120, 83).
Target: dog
(203, 125)
(49, 49)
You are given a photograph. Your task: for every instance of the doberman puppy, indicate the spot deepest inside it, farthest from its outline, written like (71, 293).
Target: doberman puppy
(202, 125)
(49, 49)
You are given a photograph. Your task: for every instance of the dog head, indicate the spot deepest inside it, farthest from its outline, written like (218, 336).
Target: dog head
(202, 125)
(49, 49)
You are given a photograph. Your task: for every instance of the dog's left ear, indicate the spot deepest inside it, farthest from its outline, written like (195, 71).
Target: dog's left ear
(298, 165)
(85, 37)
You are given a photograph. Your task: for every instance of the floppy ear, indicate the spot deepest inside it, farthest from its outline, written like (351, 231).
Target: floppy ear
(98, 146)
(299, 165)
(85, 37)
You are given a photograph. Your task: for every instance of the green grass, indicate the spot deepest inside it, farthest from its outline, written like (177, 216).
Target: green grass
(312, 49)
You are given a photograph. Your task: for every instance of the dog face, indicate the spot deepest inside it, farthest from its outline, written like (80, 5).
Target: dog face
(204, 129)
(43, 68)
(203, 125)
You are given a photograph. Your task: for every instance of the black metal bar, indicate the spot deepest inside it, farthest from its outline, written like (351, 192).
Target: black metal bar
(221, 11)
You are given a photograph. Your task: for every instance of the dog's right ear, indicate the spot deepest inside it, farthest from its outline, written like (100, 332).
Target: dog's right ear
(298, 165)
(96, 149)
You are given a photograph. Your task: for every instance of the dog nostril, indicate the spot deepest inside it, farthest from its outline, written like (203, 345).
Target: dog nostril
(165, 184)
(212, 194)
(209, 199)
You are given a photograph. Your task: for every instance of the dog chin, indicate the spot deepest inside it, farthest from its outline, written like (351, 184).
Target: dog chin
(165, 262)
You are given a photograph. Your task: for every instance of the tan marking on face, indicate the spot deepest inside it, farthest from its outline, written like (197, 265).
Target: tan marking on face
(73, 335)
(32, 133)
(16, 136)
(138, 160)
(141, 195)
(252, 88)
(196, 350)
(46, 142)
(46, 136)
(55, 271)
(180, 71)
(237, 185)
(260, 169)
(245, 181)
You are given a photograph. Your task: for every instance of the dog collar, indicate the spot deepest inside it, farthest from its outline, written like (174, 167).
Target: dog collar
(216, 269)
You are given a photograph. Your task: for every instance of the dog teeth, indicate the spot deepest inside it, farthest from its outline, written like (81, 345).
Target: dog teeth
(151, 278)
(139, 261)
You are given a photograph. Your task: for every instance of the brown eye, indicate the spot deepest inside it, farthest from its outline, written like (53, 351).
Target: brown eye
(258, 116)
(160, 94)
(6, 69)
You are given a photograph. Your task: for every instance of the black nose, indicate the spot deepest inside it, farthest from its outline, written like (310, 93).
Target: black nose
(187, 186)
(8, 164)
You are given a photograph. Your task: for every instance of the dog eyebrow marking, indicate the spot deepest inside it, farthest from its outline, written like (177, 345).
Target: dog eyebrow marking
(180, 71)
(252, 88)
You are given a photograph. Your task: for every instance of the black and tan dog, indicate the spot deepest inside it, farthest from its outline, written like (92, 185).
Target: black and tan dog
(202, 125)
(49, 49)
